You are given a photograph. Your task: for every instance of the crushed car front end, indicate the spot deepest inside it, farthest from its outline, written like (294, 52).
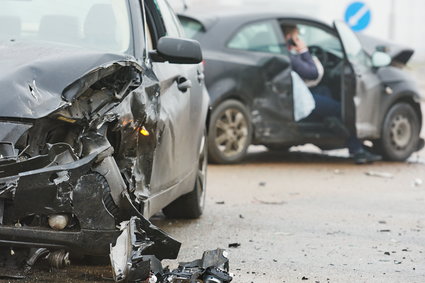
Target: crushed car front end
(74, 150)
(49, 200)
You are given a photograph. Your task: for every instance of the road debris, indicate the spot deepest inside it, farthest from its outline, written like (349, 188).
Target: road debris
(131, 261)
(417, 182)
(269, 202)
(234, 245)
(384, 175)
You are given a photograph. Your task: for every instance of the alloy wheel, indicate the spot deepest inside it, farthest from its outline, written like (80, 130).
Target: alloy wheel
(231, 132)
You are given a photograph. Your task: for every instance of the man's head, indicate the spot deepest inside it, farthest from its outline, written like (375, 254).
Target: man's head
(290, 31)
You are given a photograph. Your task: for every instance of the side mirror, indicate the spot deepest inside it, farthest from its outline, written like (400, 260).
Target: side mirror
(178, 51)
(380, 59)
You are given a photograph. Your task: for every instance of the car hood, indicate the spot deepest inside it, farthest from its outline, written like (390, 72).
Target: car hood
(399, 54)
(33, 76)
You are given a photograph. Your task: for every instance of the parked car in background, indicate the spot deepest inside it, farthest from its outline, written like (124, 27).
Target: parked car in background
(100, 120)
(248, 75)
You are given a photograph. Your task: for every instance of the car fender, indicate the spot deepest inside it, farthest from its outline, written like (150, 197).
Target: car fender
(397, 92)
(224, 89)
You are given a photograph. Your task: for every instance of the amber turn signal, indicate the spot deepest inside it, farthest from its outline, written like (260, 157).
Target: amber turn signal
(144, 132)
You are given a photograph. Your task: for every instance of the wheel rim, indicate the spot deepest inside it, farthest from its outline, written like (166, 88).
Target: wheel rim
(401, 132)
(202, 172)
(231, 132)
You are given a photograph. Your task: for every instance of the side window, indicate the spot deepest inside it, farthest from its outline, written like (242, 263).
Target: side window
(191, 27)
(258, 37)
(171, 23)
(352, 45)
(316, 36)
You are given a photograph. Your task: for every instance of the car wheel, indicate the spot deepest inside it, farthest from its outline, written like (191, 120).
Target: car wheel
(400, 133)
(230, 133)
(191, 205)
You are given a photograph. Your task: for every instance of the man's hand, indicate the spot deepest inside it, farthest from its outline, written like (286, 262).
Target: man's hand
(300, 46)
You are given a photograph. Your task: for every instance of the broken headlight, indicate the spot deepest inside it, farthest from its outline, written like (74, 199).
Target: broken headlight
(10, 135)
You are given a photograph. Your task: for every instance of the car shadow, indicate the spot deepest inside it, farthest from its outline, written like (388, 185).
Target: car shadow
(169, 224)
(296, 156)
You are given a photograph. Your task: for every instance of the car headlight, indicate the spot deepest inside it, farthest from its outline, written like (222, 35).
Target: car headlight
(10, 133)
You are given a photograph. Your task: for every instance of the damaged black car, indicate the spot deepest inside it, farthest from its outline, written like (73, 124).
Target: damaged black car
(102, 117)
(248, 76)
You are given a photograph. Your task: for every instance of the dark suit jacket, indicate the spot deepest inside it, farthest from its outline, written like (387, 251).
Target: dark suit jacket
(304, 66)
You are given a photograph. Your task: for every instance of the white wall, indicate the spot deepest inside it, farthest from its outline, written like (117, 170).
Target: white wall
(402, 21)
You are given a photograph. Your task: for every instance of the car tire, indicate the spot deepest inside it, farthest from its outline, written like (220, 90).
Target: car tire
(400, 133)
(230, 133)
(191, 205)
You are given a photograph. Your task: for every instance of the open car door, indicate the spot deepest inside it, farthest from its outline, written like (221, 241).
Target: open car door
(361, 86)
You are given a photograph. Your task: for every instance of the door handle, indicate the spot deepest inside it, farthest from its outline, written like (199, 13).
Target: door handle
(183, 84)
(201, 77)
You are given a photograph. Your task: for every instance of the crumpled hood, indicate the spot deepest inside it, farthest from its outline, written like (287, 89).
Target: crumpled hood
(33, 76)
(399, 54)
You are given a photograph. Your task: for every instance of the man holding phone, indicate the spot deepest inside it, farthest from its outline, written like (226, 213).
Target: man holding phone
(326, 109)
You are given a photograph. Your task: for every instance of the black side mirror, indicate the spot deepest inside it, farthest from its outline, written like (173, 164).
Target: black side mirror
(177, 51)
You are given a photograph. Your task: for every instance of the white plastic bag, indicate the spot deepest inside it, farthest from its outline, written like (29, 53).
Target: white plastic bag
(303, 99)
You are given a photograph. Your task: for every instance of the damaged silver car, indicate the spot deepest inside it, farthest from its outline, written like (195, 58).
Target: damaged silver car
(102, 117)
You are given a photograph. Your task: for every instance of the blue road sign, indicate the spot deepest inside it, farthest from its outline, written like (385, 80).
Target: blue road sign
(358, 16)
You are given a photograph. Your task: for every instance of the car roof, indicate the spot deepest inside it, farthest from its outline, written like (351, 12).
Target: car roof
(209, 18)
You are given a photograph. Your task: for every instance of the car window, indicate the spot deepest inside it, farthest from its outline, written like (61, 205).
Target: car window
(312, 35)
(191, 27)
(96, 24)
(149, 37)
(258, 37)
(171, 23)
(353, 47)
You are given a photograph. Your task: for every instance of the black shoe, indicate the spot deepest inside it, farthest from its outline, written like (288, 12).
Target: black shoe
(363, 156)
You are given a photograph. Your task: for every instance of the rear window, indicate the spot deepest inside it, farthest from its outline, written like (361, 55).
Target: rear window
(191, 27)
(258, 37)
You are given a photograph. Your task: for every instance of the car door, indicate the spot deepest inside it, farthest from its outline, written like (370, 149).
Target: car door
(363, 87)
(180, 103)
(265, 74)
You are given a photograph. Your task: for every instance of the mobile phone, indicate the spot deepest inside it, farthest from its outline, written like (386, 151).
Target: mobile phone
(291, 42)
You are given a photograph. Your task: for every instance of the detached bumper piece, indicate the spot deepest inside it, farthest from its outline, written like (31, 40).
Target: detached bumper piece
(131, 261)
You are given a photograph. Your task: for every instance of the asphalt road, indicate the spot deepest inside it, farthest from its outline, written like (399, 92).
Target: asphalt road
(312, 216)
(303, 216)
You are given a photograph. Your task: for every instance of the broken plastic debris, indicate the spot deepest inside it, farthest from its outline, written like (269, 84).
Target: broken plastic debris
(131, 261)
(380, 174)
(417, 182)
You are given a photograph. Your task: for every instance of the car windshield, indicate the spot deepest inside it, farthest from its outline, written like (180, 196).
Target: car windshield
(96, 24)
